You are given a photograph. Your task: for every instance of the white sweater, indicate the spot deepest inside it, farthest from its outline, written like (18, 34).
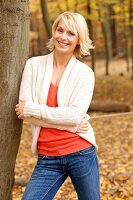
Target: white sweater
(74, 96)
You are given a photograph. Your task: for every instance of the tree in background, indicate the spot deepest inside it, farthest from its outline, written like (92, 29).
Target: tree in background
(46, 17)
(103, 10)
(38, 30)
(131, 34)
(113, 29)
(125, 17)
(14, 31)
(90, 26)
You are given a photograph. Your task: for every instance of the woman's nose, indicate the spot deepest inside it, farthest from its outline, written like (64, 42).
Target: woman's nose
(64, 36)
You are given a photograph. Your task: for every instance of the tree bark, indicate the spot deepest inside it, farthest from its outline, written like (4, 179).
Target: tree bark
(14, 31)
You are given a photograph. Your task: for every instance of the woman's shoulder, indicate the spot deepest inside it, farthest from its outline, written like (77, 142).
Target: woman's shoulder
(84, 68)
(37, 59)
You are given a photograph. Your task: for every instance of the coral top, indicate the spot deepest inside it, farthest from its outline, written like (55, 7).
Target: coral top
(55, 142)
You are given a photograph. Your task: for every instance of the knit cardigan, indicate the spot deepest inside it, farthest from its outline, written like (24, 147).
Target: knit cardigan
(74, 95)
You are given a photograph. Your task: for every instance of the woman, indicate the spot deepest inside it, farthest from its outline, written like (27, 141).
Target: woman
(55, 93)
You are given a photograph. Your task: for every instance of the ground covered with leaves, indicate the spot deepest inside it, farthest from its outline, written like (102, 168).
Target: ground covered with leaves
(114, 136)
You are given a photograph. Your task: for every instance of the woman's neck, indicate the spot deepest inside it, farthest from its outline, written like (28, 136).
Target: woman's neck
(61, 60)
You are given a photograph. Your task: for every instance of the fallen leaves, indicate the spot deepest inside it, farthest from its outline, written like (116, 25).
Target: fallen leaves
(115, 152)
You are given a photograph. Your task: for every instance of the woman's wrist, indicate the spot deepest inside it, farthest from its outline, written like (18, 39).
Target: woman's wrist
(32, 110)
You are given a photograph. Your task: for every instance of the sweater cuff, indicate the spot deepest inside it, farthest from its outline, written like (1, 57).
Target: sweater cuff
(87, 117)
(32, 110)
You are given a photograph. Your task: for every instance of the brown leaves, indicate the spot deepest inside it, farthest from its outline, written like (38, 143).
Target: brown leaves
(114, 137)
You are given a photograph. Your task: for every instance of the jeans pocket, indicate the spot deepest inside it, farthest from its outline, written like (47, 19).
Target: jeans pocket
(87, 151)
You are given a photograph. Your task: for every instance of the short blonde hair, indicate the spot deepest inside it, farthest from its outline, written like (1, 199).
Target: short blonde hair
(77, 24)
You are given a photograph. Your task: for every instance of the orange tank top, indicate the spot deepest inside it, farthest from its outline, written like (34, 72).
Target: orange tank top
(55, 142)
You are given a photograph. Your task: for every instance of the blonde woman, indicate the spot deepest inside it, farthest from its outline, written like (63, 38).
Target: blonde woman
(55, 94)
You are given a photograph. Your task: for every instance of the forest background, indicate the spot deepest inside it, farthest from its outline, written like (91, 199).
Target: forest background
(111, 29)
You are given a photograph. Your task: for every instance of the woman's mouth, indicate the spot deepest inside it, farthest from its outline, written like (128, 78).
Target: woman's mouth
(62, 44)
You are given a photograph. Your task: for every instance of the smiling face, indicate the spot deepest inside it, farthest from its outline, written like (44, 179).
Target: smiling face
(65, 40)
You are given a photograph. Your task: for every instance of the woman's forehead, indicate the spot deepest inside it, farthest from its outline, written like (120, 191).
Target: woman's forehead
(67, 25)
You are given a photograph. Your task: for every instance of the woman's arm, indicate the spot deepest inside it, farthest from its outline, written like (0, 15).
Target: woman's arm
(70, 115)
(83, 127)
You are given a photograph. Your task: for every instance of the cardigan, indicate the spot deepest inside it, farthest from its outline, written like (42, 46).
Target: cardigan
(74, 96)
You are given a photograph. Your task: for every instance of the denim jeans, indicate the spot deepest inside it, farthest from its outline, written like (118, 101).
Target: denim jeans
(51, 171)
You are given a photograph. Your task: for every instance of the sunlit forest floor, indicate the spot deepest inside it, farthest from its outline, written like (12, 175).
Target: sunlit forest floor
(114, 137)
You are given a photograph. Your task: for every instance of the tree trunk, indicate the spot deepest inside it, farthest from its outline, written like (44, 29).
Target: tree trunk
(107, 35)
(126, 32)
(113, 31)
(46, 18)
(14, 31)
(89, 22)
(131, 34)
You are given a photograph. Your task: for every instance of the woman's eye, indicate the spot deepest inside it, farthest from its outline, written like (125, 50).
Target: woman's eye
(71, 33)
(60, 30)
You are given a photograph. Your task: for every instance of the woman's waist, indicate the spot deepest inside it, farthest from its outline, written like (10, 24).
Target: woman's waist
(52, 135)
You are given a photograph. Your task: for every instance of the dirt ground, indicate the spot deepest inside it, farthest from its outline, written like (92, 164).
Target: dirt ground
(114, 136)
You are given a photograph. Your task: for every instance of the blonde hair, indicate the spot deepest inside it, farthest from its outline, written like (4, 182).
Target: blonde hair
(77, 24)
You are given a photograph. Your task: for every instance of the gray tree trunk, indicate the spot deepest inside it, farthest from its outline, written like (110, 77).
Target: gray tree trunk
(46, 18)
(14, 29)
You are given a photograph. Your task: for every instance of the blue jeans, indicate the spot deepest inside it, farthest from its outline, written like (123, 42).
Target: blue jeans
(51, 171)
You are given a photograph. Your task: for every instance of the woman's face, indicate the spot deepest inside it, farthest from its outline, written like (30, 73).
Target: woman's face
(65, 40)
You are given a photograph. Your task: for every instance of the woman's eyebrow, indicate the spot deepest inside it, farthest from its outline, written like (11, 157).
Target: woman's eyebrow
(59, 26)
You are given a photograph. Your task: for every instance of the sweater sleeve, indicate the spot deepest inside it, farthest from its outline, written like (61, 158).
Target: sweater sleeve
(40, 122)
(25, 92)
(71, 114)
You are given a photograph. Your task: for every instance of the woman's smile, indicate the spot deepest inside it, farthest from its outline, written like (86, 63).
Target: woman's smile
(63, 44)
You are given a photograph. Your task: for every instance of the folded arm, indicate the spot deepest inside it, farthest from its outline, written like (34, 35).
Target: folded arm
(59, 117)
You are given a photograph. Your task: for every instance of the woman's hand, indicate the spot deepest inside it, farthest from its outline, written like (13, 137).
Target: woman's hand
(83, 127)
(19, 109)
